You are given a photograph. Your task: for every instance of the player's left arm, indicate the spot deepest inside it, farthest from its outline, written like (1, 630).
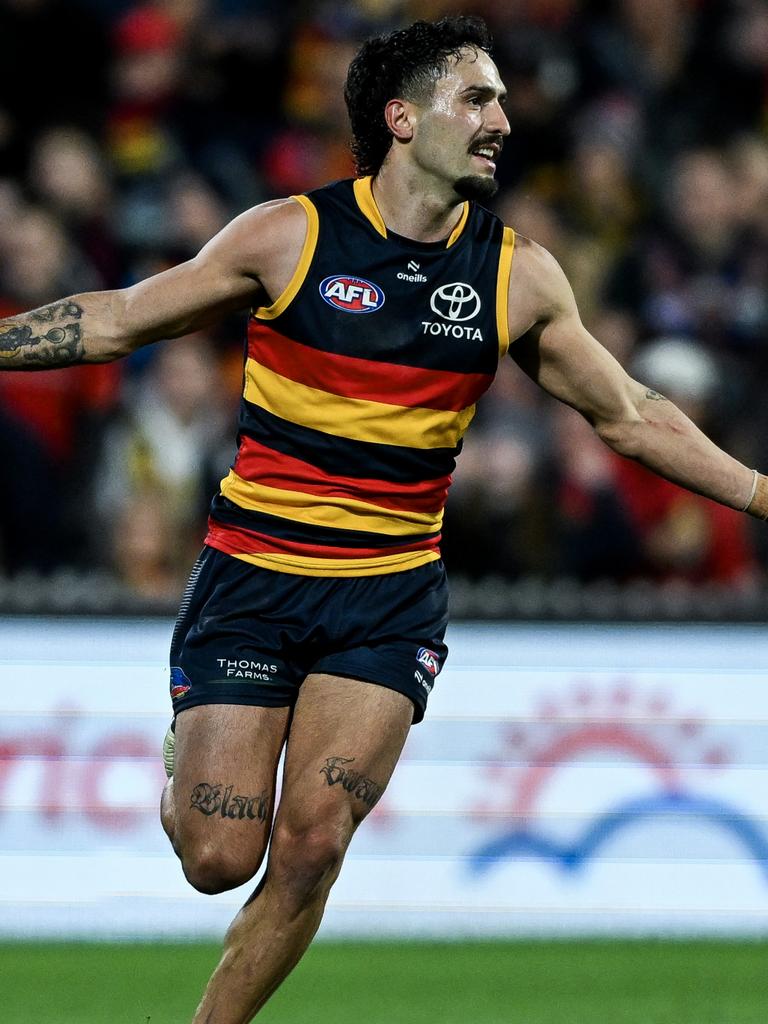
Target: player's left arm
(554, 348)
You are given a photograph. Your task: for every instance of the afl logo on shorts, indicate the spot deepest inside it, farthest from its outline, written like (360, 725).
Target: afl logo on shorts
(429, 660)
(351, 294)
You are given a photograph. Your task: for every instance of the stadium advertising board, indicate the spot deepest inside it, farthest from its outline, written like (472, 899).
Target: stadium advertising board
(567, 780)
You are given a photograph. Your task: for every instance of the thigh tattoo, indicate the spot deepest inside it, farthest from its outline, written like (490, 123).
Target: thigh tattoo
(336, 772)
(217, 798)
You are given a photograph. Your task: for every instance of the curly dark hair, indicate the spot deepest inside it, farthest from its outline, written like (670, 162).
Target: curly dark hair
(405, 64)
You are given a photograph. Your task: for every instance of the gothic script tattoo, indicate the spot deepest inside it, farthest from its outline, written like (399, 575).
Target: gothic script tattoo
(214, 797)
(45, 338)
(351, 781)
(654, 395)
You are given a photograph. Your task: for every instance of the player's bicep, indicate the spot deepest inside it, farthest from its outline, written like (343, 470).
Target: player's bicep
(556, 350)
(238, 268)
(183, 299)
(219, 280)
(567, 362)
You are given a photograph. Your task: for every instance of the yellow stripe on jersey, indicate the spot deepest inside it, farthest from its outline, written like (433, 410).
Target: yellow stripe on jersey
(324, 510)
(354, 418)
(502, 289)
(287, 296)
(298, 565)
(455, 234)
(364, 195)
(363, 189)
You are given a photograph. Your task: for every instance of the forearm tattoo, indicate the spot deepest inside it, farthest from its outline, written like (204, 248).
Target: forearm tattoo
(353, 782)
(42, 339)
(216, 798)
(654, 396)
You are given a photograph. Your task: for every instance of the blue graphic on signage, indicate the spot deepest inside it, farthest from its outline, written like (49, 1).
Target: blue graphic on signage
(527, 842)
(649, 735)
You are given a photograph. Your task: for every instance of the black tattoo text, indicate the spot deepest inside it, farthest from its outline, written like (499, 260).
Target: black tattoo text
(45, 338)
(353, 782)
(215, 798)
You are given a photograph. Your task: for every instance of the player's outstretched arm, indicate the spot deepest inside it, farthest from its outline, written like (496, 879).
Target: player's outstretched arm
(556, 350)
(249, 258)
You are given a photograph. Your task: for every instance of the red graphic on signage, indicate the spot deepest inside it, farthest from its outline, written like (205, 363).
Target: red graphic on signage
(75, 779)
(588, 720)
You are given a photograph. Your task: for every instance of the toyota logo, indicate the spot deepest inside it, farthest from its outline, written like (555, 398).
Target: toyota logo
(456, 301)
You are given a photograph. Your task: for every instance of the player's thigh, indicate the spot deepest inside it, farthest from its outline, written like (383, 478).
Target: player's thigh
(345, 740)
(224, 776)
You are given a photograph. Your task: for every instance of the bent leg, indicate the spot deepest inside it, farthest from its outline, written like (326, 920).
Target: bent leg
(345, 740)
(217, 808)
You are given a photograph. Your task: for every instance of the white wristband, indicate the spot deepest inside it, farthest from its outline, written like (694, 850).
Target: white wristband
(752, 492)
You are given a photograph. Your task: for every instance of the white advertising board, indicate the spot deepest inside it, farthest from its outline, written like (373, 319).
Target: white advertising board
(567, 780)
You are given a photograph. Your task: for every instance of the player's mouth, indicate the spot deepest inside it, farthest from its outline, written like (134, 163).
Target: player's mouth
(486, 154)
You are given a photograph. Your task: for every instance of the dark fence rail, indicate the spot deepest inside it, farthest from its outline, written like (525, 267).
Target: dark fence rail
(494, 598)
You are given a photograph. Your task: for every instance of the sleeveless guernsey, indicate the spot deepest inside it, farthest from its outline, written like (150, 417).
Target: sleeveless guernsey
(360, 381)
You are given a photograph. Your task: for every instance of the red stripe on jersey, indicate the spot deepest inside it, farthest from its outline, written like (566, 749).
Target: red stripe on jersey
(233, 540)
(350, 377)
(265, 466)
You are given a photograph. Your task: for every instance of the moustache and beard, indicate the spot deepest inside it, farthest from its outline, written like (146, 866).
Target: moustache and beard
(481, 187)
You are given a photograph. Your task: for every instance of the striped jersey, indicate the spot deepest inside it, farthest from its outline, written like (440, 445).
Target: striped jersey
(360, 381)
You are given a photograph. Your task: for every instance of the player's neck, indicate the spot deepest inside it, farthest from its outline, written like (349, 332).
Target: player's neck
(411, 210)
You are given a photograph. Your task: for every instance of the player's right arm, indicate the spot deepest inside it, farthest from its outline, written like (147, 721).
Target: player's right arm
(554, 348)
(249, 261)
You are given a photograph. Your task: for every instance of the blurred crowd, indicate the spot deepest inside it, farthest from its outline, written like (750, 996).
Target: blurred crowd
(130, 133)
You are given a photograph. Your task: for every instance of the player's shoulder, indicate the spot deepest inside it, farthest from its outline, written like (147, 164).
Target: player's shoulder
(287, 214)
(533, 258)
(537, 274)
(258, 236)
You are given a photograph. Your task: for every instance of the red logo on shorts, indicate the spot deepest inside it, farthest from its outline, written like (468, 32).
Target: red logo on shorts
(429, 660)
(180, 683)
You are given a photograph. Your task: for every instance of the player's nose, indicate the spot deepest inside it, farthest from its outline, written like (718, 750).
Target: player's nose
(496, 119)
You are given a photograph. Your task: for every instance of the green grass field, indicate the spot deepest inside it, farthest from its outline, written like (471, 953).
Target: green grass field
(585, 982)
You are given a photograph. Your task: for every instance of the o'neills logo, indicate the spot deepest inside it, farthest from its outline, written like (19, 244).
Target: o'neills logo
(415, 274)
(351, 294)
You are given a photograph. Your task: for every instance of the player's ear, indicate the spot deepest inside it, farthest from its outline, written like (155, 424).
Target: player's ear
(399, 117)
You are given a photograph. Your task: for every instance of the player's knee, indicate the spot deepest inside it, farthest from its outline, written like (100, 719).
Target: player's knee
(212, 869)
(305, 859)
(168, 811)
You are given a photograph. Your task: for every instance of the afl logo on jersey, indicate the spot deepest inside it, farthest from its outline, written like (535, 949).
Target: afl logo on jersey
(351, 294)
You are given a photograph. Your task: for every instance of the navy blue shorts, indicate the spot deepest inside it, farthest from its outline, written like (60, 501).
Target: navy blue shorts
(247, 635)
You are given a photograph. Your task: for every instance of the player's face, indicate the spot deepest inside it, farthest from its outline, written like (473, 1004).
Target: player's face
(460, 131)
